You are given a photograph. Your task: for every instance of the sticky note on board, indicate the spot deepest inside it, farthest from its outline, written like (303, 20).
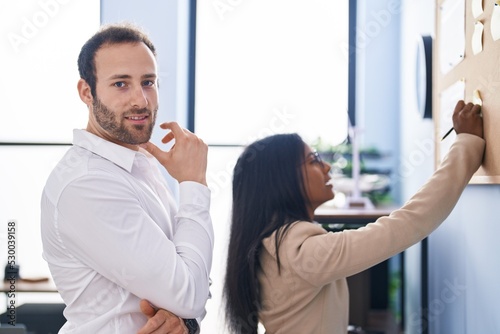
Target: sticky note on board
(477, 38)
(495, 21)
(452, 42)
(477, 8)
(476, 97)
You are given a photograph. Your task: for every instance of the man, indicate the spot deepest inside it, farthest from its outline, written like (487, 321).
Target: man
(115, 242)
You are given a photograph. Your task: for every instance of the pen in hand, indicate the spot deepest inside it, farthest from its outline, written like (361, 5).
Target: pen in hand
(476, 99)
(447, 133)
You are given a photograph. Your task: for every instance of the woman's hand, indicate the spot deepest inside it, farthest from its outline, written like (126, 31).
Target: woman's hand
(467, 118)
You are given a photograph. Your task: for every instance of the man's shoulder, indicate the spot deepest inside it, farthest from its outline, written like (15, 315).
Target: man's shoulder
(78, 165)
(72, 165)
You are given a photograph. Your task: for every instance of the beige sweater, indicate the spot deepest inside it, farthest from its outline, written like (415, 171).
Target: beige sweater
(311, 295)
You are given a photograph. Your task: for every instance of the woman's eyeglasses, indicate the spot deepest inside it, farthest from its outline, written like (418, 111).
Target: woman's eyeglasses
(316, 158)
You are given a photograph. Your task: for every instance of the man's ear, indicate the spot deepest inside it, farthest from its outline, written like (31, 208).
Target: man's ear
(85, 92)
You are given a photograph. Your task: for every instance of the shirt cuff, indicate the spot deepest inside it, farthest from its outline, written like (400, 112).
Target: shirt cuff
(194, 193)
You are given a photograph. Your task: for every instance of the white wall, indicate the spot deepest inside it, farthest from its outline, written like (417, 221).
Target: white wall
(378, 81)
(416, 162)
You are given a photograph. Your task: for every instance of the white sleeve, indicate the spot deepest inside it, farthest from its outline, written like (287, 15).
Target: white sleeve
(109, 231)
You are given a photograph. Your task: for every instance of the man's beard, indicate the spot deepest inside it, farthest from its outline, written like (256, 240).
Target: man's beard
(136, 135)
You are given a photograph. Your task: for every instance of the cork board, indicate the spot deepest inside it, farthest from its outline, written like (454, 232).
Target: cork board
(478, 69)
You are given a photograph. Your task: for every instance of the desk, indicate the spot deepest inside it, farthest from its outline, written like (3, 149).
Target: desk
(324, 215)
(37, 317)
(26, 286)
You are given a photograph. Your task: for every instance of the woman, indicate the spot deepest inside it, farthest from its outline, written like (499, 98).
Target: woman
(287, 272)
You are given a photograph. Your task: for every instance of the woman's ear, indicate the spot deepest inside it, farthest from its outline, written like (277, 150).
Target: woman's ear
(85, 92)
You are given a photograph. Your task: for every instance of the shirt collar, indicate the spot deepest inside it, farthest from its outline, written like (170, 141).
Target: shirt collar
(117, 154)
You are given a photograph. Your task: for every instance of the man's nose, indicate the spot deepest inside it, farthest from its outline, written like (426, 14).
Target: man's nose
(138, 99)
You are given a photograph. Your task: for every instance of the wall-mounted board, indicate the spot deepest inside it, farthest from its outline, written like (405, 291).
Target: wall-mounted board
(466, 62)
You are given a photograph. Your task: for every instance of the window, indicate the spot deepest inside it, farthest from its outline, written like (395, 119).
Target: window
(264, 67)
(40, 108)
(39, 54)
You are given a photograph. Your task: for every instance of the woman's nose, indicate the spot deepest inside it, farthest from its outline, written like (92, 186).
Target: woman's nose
(327, 167)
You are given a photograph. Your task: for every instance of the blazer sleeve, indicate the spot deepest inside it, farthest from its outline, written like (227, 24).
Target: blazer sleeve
(321, 257)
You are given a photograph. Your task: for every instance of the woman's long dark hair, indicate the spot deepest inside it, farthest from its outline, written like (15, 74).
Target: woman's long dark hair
(268, 196)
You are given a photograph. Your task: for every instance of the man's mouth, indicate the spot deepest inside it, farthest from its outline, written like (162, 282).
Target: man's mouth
(137, 118)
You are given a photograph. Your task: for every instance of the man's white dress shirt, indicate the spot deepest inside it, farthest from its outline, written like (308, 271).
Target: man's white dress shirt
(113, 235)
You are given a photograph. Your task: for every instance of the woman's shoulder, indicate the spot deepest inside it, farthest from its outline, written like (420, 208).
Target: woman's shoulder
(296, 231)
(306, 226)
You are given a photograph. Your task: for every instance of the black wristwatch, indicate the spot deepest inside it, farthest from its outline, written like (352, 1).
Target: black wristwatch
(192, 326)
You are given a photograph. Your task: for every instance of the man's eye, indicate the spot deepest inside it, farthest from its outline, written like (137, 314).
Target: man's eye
(148, 83)
(119, 84)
